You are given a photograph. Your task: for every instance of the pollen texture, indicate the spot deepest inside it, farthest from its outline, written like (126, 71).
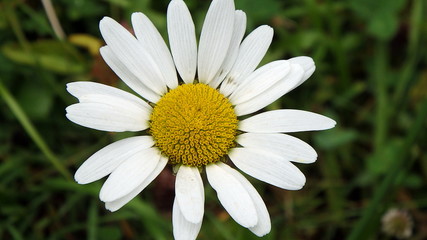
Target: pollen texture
(194, 125)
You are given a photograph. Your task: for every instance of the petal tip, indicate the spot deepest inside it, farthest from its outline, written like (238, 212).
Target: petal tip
(110, 208)
(70, 84)
(175, 3)
(107, 196)
(269, 30)
(301, 183)
(263, 233)
(137, 14)
(78, 178)
(105, 20)
(332, 123)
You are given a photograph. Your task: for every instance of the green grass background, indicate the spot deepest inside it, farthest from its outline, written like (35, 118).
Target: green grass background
(371, 77)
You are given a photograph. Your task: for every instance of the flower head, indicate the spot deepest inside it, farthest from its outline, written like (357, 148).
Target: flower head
(397, 223)
(194, 121)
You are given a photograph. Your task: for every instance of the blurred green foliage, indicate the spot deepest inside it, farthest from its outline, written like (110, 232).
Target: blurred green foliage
(371, 78)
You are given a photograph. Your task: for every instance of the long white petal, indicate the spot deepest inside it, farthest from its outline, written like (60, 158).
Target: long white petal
(134, 104)
(232, 195)
(88, 92)
(132, 54)
(183, 229)
(280, 88)
(251, 52)
(264, 224)
(233, 50)
(108, 113)
(129, 175)
(306, 63)
(286, 120)
(117, 204)
(268, 167)
(190, 193)
(103, 162)
(182, 40)
(80, 89)
(153, 42)
(260, 80)
(127, 76)
(215, 39)
(286, 146)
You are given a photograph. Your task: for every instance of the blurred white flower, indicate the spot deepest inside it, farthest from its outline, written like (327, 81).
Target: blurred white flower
(397, 223)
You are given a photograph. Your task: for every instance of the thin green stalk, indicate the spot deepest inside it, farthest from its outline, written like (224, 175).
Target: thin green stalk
(364, 227)
(14, 232)
(379, 78)
(16, 28)
(10, 13)
(340, 55)
(32, 131)
(414, 52)
(331, 170)
(53, 19)
(93, 221)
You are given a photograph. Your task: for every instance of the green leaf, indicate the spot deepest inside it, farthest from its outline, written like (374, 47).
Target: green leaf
(35, 100)
(259, 11)
(81, 9)
(369, 9)
(334, 138)
(380, 162)
(381, 16)
(49, 54)
(383, 26)
(110, 233)
(121, 3)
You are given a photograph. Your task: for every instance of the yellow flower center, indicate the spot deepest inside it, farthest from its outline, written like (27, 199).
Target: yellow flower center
(194, 125)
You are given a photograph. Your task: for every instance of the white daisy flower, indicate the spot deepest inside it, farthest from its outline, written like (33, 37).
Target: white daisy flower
(193, 121)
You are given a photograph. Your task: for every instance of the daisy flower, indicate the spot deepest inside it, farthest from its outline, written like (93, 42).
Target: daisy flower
(191, 112)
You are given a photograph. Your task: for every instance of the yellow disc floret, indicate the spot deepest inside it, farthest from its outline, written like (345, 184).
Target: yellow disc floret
(194, 125)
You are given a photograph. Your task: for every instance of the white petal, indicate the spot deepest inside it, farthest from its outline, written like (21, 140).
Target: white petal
(286, 120)
(215, 39)
(108, 113)
(190, 193)
(251, 52)
(132, 54)
(117, 204)
(182, 40)
(260, 80)
(306, 63)
(103, 162)
(233, 50)
(83, 90)
(268, 167)
(183, 229)
(264, 224)
(127, 76)
(286, 84)
(286, 146)
(153, 42)
(232, 195)
(129, 175)
(117, 101)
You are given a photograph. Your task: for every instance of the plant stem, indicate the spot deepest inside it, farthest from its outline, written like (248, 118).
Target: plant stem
(53, 19)
(379, 76)
(32, 131)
